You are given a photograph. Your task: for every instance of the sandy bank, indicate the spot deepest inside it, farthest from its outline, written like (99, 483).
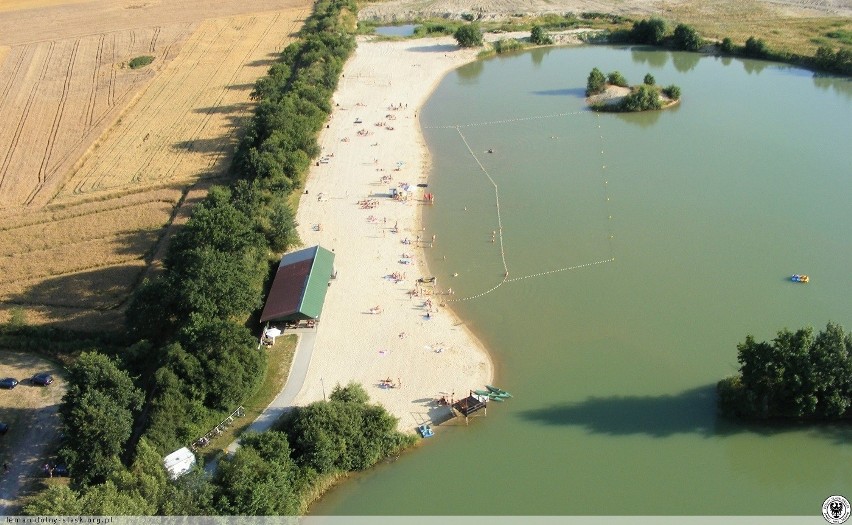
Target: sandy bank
(374, 133)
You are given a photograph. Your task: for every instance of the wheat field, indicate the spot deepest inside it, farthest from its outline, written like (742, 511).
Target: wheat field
(96, 158)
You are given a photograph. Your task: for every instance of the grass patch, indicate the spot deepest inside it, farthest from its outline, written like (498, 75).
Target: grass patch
(843, 36)
(140, 61)
(277, 369)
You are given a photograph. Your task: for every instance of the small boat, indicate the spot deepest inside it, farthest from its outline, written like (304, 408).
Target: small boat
(494, 390)
(493, 397)
(425, 431)
(800, 278)
(482, 392)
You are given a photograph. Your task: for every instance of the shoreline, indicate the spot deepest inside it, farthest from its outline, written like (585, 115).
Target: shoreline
(424, 348)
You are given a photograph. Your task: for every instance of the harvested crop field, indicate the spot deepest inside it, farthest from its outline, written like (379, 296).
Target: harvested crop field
(95, 156)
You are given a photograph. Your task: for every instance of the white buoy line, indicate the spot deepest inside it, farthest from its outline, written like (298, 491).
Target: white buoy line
(500, 219)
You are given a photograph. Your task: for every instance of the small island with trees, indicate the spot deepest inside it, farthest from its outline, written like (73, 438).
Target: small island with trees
(798, 376)
(613, 93)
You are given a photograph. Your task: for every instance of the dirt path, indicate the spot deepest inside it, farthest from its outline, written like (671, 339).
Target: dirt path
(31, 412)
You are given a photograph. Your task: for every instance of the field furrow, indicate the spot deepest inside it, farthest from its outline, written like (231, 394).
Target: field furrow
(22, 120)
(95, 157)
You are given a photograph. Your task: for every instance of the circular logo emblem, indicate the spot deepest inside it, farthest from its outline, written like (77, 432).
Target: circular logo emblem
(836, 509)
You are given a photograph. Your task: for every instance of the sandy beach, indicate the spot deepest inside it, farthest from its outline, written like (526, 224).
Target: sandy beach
(373, 143)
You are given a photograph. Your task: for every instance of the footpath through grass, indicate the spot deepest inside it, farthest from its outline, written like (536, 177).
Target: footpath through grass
(280, 357)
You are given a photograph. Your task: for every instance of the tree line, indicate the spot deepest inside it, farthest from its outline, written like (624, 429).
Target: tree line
(272, 473)
(192, 358)
(801, 374)
(655, 31)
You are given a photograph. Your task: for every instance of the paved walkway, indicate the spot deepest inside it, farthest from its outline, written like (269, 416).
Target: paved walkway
(283, 402)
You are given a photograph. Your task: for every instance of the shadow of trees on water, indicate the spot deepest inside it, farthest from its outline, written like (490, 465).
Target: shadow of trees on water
(690, 412)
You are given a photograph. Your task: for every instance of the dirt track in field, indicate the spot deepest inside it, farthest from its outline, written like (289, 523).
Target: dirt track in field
(94, 155)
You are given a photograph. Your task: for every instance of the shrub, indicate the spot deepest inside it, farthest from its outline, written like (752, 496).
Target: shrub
(649, 31)
(649, 79)
(617, 79)
(643, 98)
(506, 45)
(469, 35)
(539, 37)
(727, 46)
(755, 48)
(596, 83)
(141, 61)
(685, 37)
(673, 92)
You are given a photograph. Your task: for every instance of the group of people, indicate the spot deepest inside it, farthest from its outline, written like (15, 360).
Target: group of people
(388, 383)
(368, 204)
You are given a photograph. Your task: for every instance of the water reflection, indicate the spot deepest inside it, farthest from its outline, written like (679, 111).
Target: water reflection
(537, 55)
(754, 66)
(649, 55)
(468, 73)
(401, 30)
(685, 62)
(840, 85)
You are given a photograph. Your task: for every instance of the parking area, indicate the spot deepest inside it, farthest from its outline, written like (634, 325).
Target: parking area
(30, 411)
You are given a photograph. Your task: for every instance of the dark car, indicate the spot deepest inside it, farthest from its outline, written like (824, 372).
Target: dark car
(42, 379)
(60, 471)
(9, 382)
(4, 427)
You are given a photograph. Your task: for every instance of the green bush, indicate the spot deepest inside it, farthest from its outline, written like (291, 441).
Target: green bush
(686, 38)
(617, 79)
(596, 82)
(651, 31)
(672, 91)
(469, 35)
(755, 48)
(727, 46)
(506, 45)
(539, 37)
(140, 61)
(649, 80)
(642, 98)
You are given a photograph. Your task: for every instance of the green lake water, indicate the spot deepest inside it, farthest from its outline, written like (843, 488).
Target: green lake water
(702, 213)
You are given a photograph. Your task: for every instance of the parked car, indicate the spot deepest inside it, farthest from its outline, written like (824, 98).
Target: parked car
(60, 471)
(8, 382)
(4, 427)
(42, 379)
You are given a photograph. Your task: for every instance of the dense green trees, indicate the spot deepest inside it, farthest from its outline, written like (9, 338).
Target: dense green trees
(686, 38)
(97, 416)
(469, 35)
(650, 31)
(344, 433)
(755, 48)
(839, 61)
(641, 98)
(649, 79)
(260, 479)
(797, 375)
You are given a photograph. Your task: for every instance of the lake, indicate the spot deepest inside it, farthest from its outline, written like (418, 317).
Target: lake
(696, 217)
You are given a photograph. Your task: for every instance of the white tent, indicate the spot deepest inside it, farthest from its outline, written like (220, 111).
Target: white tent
(272, 333)
(179, 462)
